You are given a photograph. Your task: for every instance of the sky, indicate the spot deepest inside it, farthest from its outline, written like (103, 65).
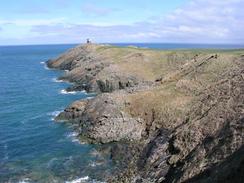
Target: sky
(106, 21)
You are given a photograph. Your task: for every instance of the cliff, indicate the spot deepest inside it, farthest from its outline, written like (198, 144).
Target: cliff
(179, 114)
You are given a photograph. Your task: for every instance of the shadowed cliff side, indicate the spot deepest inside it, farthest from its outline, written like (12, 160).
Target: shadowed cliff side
(180, 113)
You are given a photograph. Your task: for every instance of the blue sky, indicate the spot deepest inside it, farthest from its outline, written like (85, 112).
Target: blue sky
(72, 21)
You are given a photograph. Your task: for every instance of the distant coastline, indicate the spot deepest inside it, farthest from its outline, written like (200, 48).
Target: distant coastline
(153, 45)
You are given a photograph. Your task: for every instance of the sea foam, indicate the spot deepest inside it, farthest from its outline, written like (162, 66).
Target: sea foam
(54, 114)
(95, 164)
(25, 180)
(64, 92)
(45, 65)
(57, 80)
(73, 136)
(79, 180)
(5, 152)
(89, 98)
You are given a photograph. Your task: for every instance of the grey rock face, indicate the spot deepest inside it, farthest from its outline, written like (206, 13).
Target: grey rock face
(205, 144)
(73, 111)
(207, 147)
(91, 72)
(102, 120)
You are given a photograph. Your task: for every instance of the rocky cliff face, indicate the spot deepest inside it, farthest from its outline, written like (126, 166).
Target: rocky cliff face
(197, 149)
(102, 120)
(91, 71)
(175, 116)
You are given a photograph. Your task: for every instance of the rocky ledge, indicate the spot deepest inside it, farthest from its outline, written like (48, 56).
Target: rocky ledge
(179, 115)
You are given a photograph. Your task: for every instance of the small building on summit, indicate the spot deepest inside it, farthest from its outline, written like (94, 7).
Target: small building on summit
(88, 41)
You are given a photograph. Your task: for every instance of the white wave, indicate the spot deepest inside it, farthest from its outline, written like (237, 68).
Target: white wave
(89, 98)
(57, 80)
(79, 180)
(64, 92)
(26, 180)
(45, 67)
(95, 164)
(54, 114)
(5, 152)
(74, 137)
(75, 140)
(72, 134)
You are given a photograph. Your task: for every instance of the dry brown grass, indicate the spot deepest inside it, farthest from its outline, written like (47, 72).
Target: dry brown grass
(183, 74)
(167, 104)
(164, 107)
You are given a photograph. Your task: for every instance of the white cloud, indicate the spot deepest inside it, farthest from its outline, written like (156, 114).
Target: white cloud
(34, 22)
(207, 20)
(199, 21)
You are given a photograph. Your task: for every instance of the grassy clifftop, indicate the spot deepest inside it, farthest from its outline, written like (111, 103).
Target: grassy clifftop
(180, 111)
(105, 63)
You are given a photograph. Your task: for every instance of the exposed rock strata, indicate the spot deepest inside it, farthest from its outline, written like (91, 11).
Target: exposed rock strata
(92, 72)
(180, 118)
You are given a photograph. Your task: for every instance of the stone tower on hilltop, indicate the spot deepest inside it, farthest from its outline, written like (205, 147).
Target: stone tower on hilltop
(88, 41)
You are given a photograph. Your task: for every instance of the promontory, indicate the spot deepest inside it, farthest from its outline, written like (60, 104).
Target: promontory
(172, 115)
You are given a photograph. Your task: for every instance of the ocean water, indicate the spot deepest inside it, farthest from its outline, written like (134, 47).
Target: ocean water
(34, 148)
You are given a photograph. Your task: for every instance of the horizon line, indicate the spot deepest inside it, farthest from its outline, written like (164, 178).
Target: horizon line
(46, 44)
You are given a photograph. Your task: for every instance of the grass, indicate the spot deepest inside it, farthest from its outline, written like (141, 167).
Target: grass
(168, 103)
(184, 74)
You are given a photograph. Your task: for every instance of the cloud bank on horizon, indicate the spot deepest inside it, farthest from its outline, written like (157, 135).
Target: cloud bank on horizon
(181, 21)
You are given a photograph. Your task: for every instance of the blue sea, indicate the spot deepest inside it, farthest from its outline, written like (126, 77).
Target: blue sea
(33, 147)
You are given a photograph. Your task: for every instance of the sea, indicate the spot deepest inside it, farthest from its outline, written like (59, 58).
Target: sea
(33, 147)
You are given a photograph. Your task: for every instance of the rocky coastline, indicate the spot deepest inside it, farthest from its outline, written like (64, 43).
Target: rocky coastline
(172, 116)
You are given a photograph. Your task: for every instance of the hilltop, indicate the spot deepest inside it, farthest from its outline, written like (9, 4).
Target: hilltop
(172, 115)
